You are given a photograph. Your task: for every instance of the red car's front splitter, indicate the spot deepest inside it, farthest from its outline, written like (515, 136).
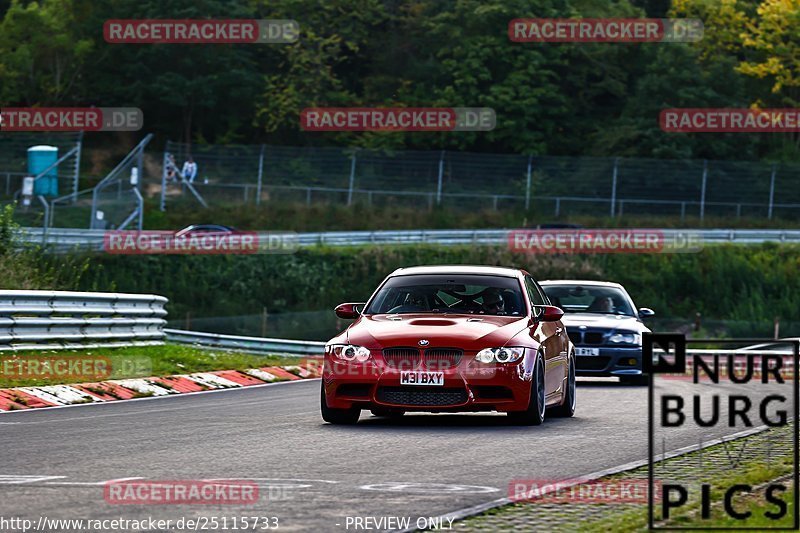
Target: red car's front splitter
(470, 386)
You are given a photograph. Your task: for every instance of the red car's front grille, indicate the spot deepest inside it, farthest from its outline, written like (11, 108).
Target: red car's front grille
(401, 358)
(442, 358)
(422, 396)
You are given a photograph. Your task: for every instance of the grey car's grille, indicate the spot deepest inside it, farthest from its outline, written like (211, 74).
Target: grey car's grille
(587, 338)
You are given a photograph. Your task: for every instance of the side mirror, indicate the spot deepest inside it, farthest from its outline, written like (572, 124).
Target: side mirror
(645, 312)
(550, 313)
(348, 310)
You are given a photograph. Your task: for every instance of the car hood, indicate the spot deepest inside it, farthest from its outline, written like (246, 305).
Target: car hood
(600, 321)
(470, 332)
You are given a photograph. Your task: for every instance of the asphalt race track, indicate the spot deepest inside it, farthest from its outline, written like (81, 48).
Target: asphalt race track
(312, 475)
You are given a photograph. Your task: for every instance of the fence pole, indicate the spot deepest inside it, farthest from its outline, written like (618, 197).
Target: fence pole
(772, 190)
(163, 205)
(140, 166)
(614, 186)
(439, 182)
(352, 179)
(528, 185)
(703, 190)
(260, 175)
(76, 184)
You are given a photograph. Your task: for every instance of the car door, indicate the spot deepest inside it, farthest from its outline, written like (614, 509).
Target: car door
(554, 345)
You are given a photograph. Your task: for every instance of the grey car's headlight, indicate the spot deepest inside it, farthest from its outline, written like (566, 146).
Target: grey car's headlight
(500, 355)
(349, 352)
(626, 337)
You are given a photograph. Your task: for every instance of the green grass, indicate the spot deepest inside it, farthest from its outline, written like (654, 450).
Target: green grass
(143, 362)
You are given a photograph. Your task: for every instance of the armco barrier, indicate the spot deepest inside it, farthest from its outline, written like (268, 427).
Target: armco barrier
(65, 319)
(248, 344)
(70, 239)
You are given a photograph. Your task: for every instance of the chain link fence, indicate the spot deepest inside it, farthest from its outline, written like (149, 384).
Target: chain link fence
(250, 175)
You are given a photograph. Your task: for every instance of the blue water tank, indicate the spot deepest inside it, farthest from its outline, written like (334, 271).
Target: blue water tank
(39, 158)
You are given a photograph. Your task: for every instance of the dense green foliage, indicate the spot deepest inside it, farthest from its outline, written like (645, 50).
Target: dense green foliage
(556, 99)
(753, 283)
(29, 267)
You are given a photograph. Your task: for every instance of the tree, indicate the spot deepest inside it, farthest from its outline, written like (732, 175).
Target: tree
(43, 55)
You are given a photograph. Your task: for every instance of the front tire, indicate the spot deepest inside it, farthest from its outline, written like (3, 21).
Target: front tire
(337, 416)
(534, 414)
(567, 409)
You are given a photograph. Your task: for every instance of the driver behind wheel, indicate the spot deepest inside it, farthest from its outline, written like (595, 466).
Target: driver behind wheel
(493, 303)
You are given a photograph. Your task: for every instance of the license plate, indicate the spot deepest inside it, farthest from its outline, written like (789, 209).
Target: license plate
(422, 378)
(587, 351)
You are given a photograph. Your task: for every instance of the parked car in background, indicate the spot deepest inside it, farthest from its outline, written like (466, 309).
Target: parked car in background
(604, 325)
(204, 228)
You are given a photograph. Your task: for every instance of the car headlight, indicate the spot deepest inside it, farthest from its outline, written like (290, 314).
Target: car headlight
(626, 337)
(499, 355)
(349, 352)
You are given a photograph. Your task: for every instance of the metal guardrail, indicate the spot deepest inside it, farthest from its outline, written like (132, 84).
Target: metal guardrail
(251, 344)
(66, 319)
(85, 239)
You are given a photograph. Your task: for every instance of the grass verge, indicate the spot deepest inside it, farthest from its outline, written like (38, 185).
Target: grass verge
(769, 456)
(120, 363)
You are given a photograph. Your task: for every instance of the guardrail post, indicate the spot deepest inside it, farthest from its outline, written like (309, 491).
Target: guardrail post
(772, 190)
(260, 174)
(439, 181)
(352, 179)
(703, 190)
(614, 186)
(528, 185)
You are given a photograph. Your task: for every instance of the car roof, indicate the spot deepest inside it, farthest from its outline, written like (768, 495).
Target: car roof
(579, 282)
(459, 269)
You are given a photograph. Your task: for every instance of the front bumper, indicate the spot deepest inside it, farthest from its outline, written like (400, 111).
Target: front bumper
(470, 386)
(611, 361)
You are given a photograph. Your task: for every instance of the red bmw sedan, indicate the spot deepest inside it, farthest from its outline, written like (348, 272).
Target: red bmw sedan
(451, 339)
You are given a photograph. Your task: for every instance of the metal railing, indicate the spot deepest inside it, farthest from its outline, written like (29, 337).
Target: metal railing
(118, 193)
(66, 319)
(246, 344)
(610, 186)
(62, 240)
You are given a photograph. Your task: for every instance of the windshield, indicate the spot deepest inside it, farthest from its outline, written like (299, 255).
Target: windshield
(447, 293)
(590, 299)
